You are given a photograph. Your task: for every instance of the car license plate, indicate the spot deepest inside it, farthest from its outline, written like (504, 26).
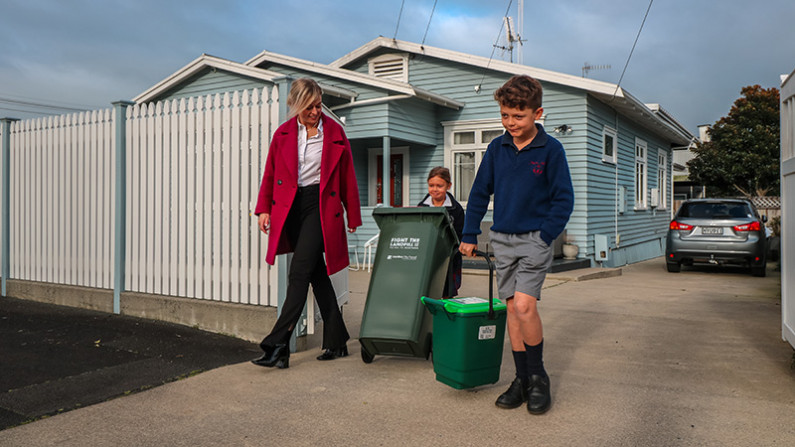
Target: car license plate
(712, 230)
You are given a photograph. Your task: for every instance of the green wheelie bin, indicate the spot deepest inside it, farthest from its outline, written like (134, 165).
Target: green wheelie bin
(414, 248)
(468, 336)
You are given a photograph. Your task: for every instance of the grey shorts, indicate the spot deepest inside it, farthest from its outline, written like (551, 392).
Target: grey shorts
(522, 261)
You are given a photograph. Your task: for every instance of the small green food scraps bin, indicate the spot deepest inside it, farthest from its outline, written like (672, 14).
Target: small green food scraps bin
(467, 340)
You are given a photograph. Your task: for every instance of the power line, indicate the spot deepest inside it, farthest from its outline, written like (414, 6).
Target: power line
(493, 48)
(429, 23)
(28, 111)
(633, 49)
(38, 104)
(400, 14)
(49, 101)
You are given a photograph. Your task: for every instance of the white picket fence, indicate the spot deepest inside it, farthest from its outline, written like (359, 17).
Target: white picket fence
(788, 208)
(61, 187)
(193, 173)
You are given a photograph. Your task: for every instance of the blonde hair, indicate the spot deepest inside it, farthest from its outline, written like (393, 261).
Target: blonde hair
(303, 92)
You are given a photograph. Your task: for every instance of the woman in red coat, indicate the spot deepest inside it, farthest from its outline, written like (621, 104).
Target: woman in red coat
(308, 183)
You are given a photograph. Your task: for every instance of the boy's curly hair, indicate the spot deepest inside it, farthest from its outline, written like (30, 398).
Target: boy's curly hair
(520, 92)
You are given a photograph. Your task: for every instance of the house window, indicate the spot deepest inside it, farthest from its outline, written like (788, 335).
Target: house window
(609, 145)
(465, 166)
(641, 182)
(390, 66)
(662, 179)
(462, 138)
(465, 143)
(487, 135)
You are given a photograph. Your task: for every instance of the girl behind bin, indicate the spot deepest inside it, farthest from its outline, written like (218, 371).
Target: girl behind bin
(439, 184)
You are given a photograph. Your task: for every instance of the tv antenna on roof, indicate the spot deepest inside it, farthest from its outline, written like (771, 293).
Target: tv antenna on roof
(514, 34)
(586, 68)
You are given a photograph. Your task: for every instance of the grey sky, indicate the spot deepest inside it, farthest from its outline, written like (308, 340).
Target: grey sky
(693, 56)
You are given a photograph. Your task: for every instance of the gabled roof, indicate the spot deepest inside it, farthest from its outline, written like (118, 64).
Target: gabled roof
(206, 61)
(609, 93)
(353, 76)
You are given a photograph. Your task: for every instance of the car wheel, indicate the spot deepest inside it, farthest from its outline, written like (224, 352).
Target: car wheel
(759, 271)
(673, 267)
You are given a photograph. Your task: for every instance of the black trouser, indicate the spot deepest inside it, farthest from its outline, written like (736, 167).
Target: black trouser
(308, 266)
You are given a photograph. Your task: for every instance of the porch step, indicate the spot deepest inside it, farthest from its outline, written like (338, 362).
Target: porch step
(558, 264)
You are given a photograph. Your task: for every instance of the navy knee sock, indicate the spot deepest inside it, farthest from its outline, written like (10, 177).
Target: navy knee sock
(520, 359)
(535, 359)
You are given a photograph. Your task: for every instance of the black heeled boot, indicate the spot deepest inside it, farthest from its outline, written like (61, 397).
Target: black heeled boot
(278, 356)
(331, 354)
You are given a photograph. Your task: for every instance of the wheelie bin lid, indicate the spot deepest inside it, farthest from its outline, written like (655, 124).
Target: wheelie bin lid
(438, 216)
(465, 305)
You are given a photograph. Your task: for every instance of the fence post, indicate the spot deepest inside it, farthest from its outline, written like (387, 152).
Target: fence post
(5, 239)
(120, 226)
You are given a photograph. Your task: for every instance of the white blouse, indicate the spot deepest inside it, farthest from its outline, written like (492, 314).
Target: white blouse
(309, 155)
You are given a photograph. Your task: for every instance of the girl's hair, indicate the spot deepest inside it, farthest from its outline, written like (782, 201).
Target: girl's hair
(520, 92)
(442, 172)
(303, 93)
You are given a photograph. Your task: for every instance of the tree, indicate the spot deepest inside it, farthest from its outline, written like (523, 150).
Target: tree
(742, 155)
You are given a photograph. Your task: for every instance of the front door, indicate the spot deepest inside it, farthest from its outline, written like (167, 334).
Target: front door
(395, 179)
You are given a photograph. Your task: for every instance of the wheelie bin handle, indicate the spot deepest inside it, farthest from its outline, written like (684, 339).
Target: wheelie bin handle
(491, 282)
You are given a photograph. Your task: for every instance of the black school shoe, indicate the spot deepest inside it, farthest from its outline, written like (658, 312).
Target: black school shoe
(515, 396)
(538, 397)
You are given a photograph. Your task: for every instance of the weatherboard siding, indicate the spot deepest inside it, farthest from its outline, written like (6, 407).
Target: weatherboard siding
(640, 230)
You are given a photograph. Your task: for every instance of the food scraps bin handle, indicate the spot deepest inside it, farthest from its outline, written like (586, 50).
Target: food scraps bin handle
(491, 281)
(434, 306)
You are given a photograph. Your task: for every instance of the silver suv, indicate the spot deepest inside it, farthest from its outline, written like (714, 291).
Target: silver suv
(717, 231)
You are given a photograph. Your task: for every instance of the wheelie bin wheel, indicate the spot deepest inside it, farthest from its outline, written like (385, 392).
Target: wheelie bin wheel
(366, 356)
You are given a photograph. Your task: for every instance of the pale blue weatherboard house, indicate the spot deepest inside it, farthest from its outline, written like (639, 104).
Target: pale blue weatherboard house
(427, 106)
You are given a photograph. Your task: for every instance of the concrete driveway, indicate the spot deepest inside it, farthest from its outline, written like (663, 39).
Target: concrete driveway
(647, 358)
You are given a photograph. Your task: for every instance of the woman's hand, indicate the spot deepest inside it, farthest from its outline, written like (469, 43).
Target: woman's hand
(264, 222)
(467, 249)
(351, 230)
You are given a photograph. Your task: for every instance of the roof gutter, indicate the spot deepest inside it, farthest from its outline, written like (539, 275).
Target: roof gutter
(369, 102)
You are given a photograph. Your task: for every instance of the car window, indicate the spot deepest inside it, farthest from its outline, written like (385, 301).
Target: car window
(715, 210)
(739, 211)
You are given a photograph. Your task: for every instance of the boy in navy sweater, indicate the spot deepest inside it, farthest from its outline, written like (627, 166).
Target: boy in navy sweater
(526, 171)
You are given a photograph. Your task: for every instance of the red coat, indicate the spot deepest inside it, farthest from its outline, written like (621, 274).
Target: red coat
(338, 188)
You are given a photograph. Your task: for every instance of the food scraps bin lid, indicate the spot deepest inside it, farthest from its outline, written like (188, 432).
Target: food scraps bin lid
(471, 305)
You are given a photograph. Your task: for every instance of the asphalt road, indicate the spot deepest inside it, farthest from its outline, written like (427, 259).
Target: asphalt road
(55, 358)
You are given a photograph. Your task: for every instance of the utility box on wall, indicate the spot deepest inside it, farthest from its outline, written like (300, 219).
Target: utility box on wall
(622, 199)
(655, 198)
(601, 247)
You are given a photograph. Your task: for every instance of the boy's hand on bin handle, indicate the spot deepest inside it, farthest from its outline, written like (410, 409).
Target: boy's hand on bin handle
(468, 249)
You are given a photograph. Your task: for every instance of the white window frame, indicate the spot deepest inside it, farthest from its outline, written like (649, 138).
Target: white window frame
(641, 174)
(662, 178)
(372, 158)
(390, 58)
(609, 131)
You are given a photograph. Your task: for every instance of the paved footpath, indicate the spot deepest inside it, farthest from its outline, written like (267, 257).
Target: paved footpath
(646, 358)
